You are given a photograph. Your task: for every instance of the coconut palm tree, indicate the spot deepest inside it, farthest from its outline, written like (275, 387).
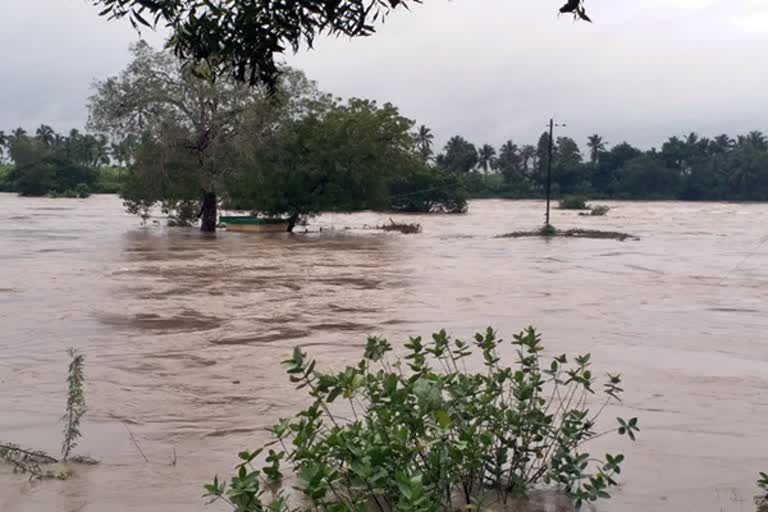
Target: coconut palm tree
(424, 138)
(596, 144)
(486, 157)
(722, 144)
(757, 140)
(46, 134)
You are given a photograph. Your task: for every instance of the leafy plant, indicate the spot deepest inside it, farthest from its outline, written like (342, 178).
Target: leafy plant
(762, 483)
(75, 403)
(573, 203)
(82, 190)
(424, 433)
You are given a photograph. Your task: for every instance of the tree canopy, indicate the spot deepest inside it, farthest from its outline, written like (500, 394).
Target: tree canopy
(243, 37)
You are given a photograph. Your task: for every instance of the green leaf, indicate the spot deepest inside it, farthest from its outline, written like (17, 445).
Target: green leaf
(443, 418)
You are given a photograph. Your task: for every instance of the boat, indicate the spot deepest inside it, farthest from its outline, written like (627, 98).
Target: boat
(249, 224)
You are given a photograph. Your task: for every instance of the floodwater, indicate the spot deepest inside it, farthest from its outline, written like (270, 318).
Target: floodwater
(183, 334)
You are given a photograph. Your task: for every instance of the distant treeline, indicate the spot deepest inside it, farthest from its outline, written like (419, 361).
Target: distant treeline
(48, 163)
(688, 168)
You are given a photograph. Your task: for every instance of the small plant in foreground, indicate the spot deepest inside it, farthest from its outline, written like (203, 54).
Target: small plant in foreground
(762, 483)
(75, 403)
(573, 203)
(32, 461)
(424, 433)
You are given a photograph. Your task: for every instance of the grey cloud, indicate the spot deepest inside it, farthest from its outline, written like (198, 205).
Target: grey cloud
(488, 69)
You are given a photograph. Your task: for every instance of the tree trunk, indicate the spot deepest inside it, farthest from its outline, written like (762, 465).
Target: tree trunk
(292, 220)
(208, 213)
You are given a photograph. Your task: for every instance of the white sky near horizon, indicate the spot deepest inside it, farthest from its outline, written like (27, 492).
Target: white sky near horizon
(490, 70)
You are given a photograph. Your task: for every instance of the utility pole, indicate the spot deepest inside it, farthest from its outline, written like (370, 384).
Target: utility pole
(549, 162)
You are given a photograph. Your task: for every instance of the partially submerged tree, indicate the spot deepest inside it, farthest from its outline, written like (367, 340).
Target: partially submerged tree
(185, 119)
(340, 157)
(243, 37)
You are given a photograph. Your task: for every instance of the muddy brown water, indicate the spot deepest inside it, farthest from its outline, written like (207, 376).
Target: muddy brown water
(184, 334)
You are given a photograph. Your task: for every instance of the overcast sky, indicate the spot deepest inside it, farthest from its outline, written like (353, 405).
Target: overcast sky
(490, 70)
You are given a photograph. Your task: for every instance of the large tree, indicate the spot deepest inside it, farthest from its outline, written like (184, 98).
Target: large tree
(244, 37)
(340, 158)
(186, 118)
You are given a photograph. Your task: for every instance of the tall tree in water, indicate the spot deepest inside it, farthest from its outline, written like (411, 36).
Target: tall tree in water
(486, 156)
(424, 138)
(596, 145)
(244, 37)
(341, 158)
(186, 118)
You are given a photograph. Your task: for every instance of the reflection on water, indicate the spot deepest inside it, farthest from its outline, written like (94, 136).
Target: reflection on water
(184, 334)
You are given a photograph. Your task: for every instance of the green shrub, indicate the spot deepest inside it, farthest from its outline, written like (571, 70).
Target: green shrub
(548, 230)
(426, 434)
(573, 203)
(82, 190)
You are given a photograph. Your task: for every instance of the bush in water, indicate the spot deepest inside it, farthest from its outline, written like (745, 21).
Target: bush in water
(425, 433)
(573, 203)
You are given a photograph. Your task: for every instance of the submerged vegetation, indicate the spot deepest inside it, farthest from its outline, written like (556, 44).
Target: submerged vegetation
(35, 463)
(573, 203)
(598, 210)
(549, 231)
(402, 227)
(424, 433)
